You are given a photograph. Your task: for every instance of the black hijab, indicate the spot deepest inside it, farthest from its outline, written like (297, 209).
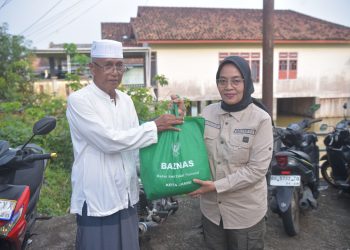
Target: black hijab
(243, 66)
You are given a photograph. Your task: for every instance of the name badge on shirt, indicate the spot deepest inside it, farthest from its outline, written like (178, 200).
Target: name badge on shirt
(244, 131)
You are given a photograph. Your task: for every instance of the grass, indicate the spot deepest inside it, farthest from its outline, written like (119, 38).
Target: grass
(55, 193)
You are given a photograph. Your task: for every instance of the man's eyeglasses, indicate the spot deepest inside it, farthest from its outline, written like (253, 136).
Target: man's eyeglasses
(235, 82)
(109, 67)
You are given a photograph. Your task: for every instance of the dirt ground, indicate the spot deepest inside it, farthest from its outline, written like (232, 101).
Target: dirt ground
(327, 227)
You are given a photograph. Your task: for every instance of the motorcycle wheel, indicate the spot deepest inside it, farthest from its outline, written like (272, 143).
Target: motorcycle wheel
(290, 218)
(327, 173)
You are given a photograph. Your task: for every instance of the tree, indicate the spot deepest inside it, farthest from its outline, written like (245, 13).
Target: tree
(16, 77)
(80, 60)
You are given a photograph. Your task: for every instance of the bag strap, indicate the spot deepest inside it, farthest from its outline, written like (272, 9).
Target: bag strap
(174, 110)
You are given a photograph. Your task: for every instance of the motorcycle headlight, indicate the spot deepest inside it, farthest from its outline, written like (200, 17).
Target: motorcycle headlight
(6, 228)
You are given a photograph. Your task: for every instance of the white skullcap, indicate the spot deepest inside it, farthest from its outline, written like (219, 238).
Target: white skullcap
(106, 49)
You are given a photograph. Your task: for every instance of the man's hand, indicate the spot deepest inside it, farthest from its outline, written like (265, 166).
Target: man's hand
(166, 122)
(206, 187)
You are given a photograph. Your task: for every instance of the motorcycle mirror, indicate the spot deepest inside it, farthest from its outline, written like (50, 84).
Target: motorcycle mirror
(44, 125)
(323, 127)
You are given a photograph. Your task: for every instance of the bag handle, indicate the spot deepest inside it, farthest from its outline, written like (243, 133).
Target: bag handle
(174, 110)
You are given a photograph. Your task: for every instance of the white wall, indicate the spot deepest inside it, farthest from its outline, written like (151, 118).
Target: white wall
(323, 70)
(191, 69)
(55, 87)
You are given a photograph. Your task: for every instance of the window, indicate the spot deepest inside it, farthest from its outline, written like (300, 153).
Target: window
(255, 66)
(252, 58)
(288, 65)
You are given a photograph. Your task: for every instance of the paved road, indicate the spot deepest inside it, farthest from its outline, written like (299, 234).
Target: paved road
(326, 228)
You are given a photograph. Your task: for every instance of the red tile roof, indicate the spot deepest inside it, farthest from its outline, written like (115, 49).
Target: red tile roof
(179, 24)
(122, 32)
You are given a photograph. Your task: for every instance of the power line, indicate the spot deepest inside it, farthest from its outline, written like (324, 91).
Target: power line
(43, 32)
(54, 19)
(45, 14)
(5, 3)
(72, 20)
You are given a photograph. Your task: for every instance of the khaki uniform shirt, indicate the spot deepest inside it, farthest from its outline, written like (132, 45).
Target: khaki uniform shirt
(239, 146)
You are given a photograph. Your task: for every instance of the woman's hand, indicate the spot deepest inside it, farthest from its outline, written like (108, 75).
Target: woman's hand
(206, 187)
(180, 104)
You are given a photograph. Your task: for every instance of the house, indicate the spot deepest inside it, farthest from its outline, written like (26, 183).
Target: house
(51, 65)
(311, 56)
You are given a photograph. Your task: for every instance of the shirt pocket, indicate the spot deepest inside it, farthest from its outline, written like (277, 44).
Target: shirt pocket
(210, 136)
(239, 146)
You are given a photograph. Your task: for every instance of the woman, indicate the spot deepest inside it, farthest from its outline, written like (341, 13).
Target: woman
(239, 140)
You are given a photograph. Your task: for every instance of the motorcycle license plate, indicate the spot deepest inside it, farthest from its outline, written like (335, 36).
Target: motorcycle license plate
(285, 180)
(6, 208)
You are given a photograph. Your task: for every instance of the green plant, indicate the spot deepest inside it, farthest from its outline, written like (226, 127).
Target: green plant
(73, 81)
(146, 106)
(80, 60)
(7, 107)
(16, 75)
(55, 192)
(70, 48)
(161, 79)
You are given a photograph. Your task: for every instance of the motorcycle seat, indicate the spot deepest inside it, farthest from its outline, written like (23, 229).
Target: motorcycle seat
(301, 154)
(4, 146)
(6, 156)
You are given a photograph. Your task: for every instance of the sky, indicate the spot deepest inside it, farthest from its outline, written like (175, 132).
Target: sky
(79, 21)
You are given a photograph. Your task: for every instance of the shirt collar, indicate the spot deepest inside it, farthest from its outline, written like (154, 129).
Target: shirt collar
(237, 115)
(101, 93)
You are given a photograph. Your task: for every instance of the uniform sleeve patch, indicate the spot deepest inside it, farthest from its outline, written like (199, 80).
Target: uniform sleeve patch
(212, 124)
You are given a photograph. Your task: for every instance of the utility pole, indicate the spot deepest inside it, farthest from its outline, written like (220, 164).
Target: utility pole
(268, 40)
(69, 68)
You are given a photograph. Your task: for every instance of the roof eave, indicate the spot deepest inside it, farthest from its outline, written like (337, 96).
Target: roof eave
(56, 51)
(243, 41)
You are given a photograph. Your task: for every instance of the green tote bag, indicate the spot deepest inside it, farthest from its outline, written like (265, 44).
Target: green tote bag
(169, 166)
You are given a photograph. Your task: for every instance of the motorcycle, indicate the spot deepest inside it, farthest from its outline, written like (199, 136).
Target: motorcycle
(294, 175)
(336, 166)
(21, 177)
(154, 212)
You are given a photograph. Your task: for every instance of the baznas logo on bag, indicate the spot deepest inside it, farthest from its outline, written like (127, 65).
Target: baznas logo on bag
(177, 165)
(168, 167)
(176, 149)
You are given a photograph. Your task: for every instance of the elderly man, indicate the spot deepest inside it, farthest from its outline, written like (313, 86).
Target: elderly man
(106, 138)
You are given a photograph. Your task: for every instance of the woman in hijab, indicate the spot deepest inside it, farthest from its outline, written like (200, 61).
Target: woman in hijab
(239, 139)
